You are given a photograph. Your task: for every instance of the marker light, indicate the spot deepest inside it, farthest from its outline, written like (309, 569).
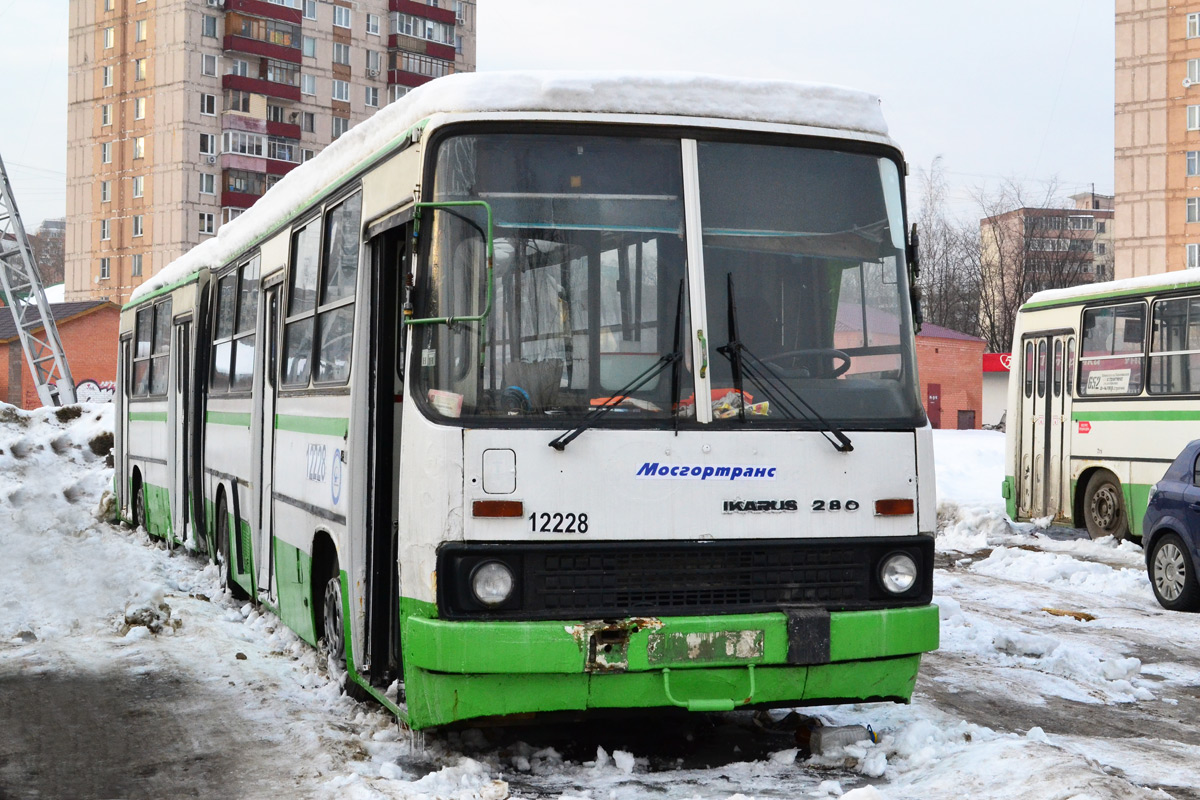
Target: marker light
(492, 583)
(900, 506)
(497, 508)
(898, 573)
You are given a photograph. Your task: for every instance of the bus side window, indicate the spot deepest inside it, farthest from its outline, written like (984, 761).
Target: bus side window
(140, 374)
(1070, 365)
(160, 362)
(1041, 368)
(1028, 369)
(1058, 367)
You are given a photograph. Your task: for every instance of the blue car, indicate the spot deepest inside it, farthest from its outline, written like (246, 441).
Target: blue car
(1171, 533)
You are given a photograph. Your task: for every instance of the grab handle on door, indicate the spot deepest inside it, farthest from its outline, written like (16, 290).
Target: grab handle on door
(1194, 506)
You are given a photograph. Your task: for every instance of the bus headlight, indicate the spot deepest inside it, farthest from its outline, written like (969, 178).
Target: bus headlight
(492, 583)
(898, 573)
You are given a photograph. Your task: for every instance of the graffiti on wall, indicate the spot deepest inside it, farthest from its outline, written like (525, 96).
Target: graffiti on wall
(90, 391)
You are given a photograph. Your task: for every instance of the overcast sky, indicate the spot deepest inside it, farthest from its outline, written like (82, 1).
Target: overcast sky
(1021, 89)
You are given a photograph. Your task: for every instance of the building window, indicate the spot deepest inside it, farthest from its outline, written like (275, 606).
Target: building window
(282, 72)
(135, 266)
(1193, 255)
(139, 186)
(236, 100)
(139, 108)
(110, 38)
(105, 230)
(1193, 70)
(139, 147)
(139, 31)
(372, 96)
(373, 24)
(341, 53)
(1080, 223)
(1101, 226)
(104, 269)
(106, 152)
(1193, 163)
(421, 65)
(421, 28)
(1193, 118)
(207, 224)
(308, 122)
(275, 113)
(341, 91)
(106, 114)
(1101, 249)
(239, 67)
(341, 17)
(308, 84)
(307, 155)
(460, 12)
(1193, 209)
(105, 191)
(246, 144)
(1193, 26)
(208, 144)
(210, 26)
(108, 5)
(458, 43)
(208, 183)
(310, 47)
(139, 69)
(208, 105)
(398, 92)
(208, 65)
(310, 9)
(138, 222)
(106, 76)
(374, 62)
(340, 126)
(230, 214)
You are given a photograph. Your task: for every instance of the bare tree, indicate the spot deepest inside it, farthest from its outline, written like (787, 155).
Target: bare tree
(1022, 247)
(949, 282)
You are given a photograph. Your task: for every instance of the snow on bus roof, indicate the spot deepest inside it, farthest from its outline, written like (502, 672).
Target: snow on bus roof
(666, 93)
(1161, 280)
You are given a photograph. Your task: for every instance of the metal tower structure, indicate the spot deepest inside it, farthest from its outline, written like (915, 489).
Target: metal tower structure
(26, 299)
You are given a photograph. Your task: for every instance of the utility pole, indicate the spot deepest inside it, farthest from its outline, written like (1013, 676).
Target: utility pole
(26, 299)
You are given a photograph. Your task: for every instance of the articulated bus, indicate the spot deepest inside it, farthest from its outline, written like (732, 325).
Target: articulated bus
(547, 393)
(1102, 399)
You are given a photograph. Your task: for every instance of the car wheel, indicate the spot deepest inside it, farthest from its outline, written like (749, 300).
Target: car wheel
(1172, 574)
(1104, 508)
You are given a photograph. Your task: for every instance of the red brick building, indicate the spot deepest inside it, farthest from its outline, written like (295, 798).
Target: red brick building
(88, 332)
(948, 363)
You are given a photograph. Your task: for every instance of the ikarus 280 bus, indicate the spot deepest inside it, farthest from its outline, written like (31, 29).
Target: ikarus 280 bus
(545, 392)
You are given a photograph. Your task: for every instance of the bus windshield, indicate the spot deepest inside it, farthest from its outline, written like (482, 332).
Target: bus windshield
(591, 295)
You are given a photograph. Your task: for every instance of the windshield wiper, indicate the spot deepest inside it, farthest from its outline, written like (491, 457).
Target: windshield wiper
(674, 357)
(771, 383)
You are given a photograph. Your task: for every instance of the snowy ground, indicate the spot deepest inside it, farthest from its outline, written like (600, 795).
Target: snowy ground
(222, 701)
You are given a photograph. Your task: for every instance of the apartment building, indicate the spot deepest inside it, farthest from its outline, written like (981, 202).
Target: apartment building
(183, 112)
(1157, 136)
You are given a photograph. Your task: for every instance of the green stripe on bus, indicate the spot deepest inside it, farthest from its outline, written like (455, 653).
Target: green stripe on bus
(1133, 416)
(227, 418)
(1117, 293)
(322, 426)
(147, 416)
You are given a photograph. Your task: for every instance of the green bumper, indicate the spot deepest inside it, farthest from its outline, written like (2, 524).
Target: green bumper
(463, 670)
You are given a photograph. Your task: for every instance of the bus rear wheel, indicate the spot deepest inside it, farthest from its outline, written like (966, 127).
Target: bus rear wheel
(223, 550)
(1104, 507)
(139, 506)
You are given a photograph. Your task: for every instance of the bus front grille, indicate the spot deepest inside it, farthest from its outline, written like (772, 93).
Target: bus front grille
(602, 580)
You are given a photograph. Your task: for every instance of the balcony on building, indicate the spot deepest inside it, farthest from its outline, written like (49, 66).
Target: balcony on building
(278, 79)
(240, 188)
(423, 29)
(268, 38)
(410, 69)
(263, 10)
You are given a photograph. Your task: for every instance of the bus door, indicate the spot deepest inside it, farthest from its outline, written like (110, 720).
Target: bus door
(1044, 409)
(180, 519)
(264, 552)
(121, 443)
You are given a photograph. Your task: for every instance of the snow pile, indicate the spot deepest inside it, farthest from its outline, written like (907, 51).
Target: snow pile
(1061, 570)
(670, 93)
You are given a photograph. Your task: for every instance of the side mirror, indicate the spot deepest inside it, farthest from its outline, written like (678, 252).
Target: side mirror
(456, 238)
(914, 272)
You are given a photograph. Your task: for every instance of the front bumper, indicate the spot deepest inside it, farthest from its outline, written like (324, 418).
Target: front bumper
(464, 670)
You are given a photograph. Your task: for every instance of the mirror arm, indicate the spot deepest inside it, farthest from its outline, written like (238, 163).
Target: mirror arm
(491, 251)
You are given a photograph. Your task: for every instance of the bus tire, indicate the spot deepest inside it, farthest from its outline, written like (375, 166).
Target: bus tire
(1172, 574)
(224, 548)
(1104, 507)
(334, 630)
(138, 504)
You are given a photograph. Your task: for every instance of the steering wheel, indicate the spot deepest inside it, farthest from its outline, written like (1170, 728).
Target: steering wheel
(838, 369)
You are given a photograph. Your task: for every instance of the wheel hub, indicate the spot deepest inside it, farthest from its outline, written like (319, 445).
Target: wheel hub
(1169, 571)
(1104, 508)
